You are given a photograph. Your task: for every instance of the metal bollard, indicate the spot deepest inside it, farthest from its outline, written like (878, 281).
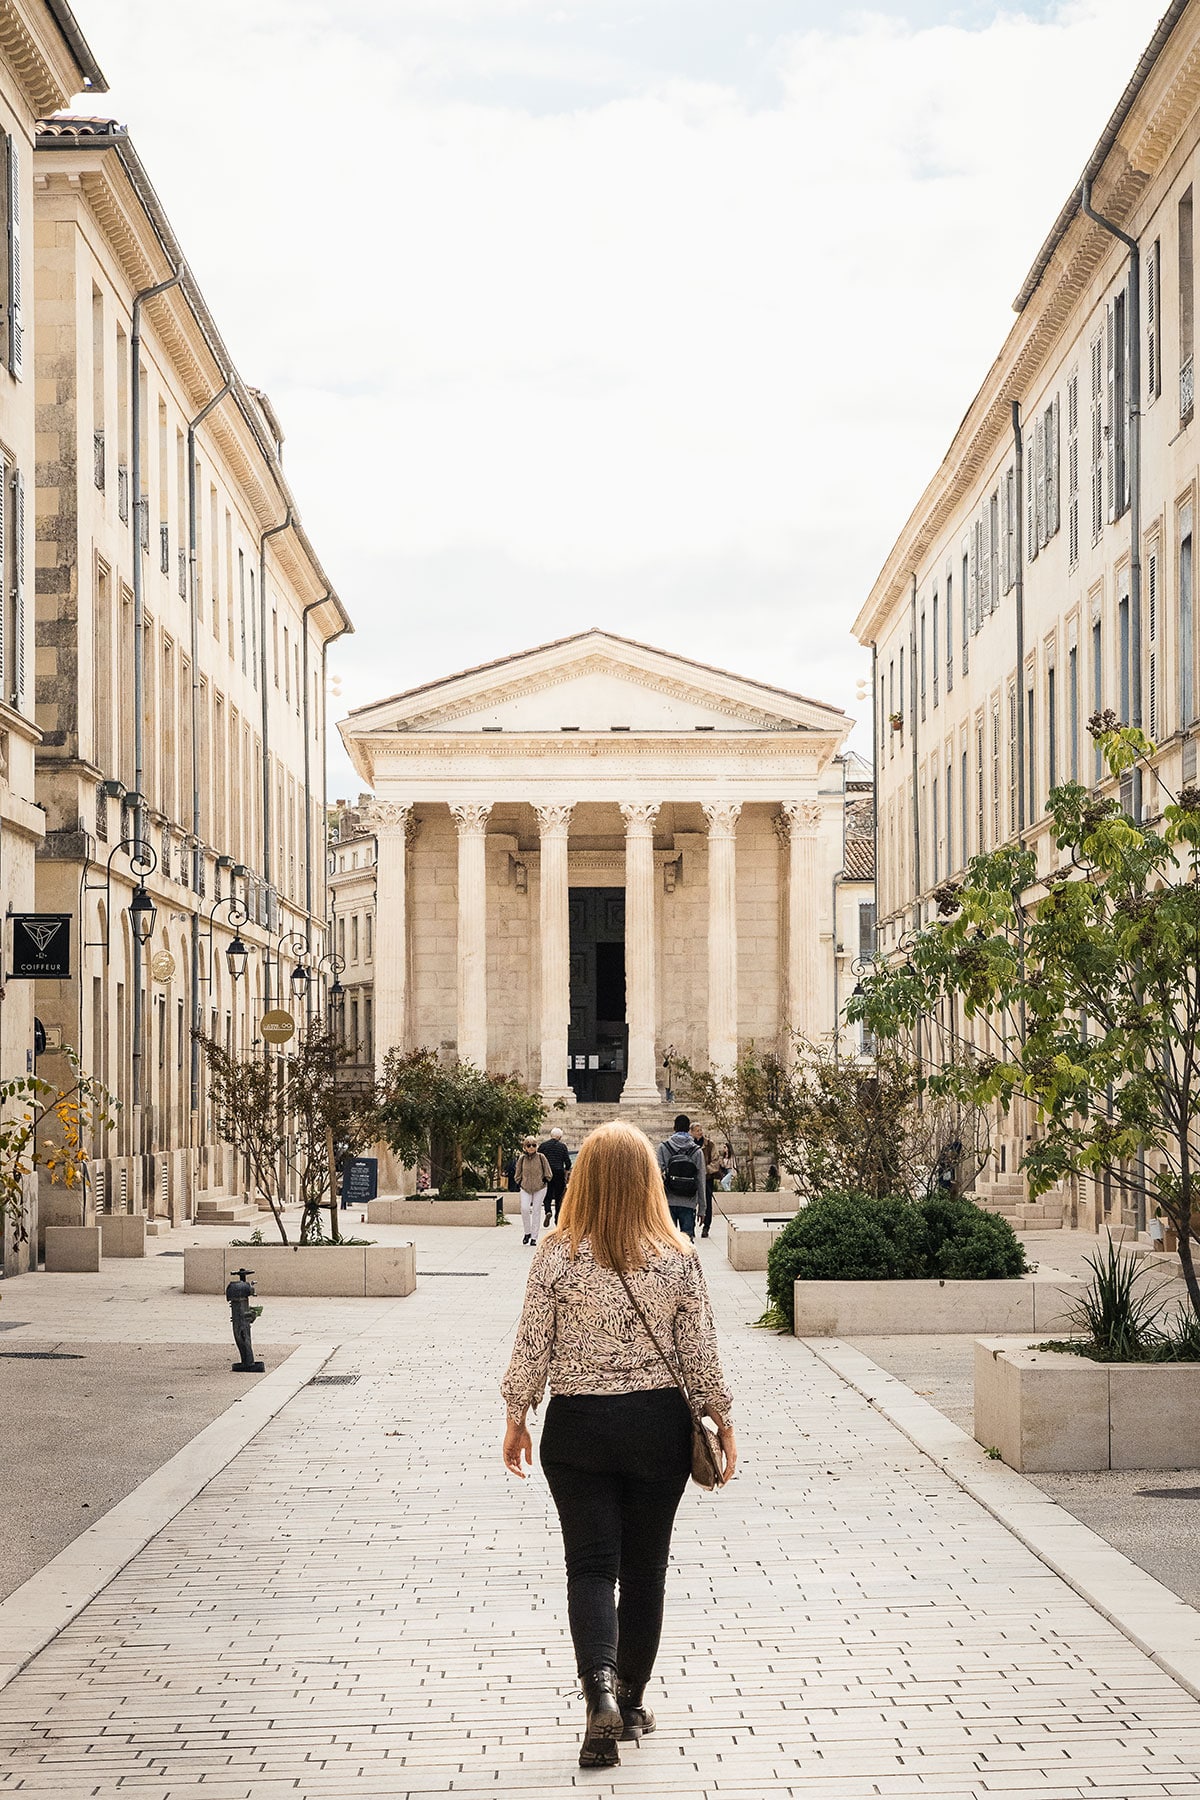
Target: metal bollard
(239, 1294)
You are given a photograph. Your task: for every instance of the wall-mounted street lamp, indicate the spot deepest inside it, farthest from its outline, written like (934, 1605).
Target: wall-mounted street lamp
(293, 944)
(142, 860)
(332, 964)
(237, 951)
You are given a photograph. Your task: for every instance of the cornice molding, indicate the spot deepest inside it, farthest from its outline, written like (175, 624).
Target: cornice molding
(42, 64)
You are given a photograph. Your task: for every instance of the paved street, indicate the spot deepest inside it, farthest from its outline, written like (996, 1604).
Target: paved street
(361, 1604)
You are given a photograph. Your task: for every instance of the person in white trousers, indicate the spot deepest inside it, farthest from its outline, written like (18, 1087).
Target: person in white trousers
(533, 1174)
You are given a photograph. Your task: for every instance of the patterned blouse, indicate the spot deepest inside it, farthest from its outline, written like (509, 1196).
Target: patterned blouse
(579, 1331)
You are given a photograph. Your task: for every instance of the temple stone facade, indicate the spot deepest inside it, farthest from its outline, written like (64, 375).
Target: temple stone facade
(594, 854)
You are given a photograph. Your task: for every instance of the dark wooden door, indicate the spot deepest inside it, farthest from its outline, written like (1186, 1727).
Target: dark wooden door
(598, 1036)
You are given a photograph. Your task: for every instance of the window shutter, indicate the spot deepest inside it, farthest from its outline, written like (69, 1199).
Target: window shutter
(973, 577)
(1110, 357)
(1005, 543)
(16, 331)
(1151, 719)
(985, 565)
(18, 622)
(1033, 465)
(1153, 363)
(1053, 452)
(1097, 441)
(4, 473)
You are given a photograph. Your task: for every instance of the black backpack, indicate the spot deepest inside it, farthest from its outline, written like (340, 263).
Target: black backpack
(679, 1177)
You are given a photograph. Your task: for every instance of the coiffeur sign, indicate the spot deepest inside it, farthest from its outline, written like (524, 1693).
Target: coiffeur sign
(41, 947)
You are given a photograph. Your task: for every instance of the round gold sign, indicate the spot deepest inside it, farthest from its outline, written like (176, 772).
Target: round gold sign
(162, 965)
(277, 1026)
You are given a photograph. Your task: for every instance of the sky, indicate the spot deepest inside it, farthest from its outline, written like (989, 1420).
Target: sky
(655, 315)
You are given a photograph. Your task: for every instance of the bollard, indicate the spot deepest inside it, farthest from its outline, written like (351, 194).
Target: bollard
(239, 1294)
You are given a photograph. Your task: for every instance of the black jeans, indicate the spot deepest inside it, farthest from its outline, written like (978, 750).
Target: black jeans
(617, 1465)
(704, 1220)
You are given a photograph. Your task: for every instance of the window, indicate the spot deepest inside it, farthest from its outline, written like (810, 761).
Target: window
(1124, 698)
(1013, 771)
(242, 602)
(1187, 311)
(1097, 437)
(1073, 710)
(1150, 718)
(1187, 635)
(1031, 753)
(949, 631)
(994, 549)
(253, 633)
(1073, 469)
(369, 923)
(966, 607)
(1051, 729)
(102, 694)
(923, 662)
(1117, 354)
(996, 832)
(964, 796)
(935, 821)
(902, 681)
(979, 787)
(934, 647)
(354, 938)
(214, 550)
(16, 331)
(1008, 510)
(287, 667)
(1153, 312)
(950, 863)
(866, 928)
(98, 387)
(1097, 692)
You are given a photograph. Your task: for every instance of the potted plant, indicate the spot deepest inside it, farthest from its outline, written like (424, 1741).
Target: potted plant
(897, 721)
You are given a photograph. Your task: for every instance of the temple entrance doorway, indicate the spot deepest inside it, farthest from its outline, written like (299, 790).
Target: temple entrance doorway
(598, 1037)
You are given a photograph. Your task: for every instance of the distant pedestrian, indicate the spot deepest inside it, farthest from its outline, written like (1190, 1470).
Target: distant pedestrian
(712, 1174)
(533, 1174)
(559, 1158)
(728, 1168)
(613, 1292)
(681, 1162)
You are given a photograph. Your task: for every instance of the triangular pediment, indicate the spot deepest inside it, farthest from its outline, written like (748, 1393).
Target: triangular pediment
(595, 681)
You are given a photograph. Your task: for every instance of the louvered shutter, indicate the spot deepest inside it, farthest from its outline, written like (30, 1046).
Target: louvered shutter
(4, 472)
(985, 564)
(973, 577)
(1151, 719)
(1005, 546)
(18, 621)
(1110, 357)
(1053, 464)
(1097, 441)
(1153, 369)
(16, 332)
(1033, 478)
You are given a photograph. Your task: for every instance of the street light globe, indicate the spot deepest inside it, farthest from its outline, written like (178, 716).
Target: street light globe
(299, 979)
(236, 956)
(142, 914)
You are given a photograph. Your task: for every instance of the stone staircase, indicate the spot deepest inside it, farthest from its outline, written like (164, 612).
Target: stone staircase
(225, 1209)
(577, 1121)
(1007, 1195)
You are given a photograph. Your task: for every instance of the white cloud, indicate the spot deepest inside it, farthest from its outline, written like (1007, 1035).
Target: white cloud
(562, 337)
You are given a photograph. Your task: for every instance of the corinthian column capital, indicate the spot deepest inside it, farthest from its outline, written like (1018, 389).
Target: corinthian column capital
(722, 816)
(801, 817)
(554, 820)
(387, 815)
(471, 818)
(639, 817)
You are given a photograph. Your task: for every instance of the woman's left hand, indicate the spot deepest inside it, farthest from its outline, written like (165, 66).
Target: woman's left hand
(517, 1445)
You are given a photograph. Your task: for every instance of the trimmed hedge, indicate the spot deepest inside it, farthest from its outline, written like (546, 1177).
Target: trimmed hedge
(848, 1237)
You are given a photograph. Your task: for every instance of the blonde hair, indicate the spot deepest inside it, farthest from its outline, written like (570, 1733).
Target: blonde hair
(616, 1198)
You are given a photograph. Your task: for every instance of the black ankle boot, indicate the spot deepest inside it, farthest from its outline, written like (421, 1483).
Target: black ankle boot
(637, 1719)
(605, 1721)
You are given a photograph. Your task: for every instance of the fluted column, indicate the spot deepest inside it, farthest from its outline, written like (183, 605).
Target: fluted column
(799, 823)
(554, 826)
(722, 819)
(391, 821)
(641, 986)
(471, 820)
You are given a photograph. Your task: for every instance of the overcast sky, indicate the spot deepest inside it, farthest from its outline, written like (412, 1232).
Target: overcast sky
(649, 314)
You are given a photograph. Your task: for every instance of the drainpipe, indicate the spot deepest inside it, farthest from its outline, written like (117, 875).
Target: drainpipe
(1019, 599)
(194, 642)
(137, 511)
(325, 643)
(913, 689)
(876, 758)
(1133, 307)
(306, 721)
(271, 531)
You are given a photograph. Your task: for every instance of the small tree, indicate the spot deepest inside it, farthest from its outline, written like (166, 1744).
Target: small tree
(45, 1124)
(1084, 984)
(292, 1116)
(471, 1117)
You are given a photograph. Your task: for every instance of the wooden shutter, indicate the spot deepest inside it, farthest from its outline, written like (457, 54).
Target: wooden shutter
(1150, 721)
(1052, 457)
(16, 331)
(1097, 439)
(18, 621)
(1110, 363)
(1153, 354)
(4, 671)
(984, 564)
(1033, 465)
(973, 576)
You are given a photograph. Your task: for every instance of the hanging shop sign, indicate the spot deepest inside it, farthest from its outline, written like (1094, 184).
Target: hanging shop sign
(41, 947)
(277, 1026)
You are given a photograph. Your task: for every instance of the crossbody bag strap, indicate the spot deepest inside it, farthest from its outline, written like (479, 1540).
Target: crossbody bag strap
(668, 1365)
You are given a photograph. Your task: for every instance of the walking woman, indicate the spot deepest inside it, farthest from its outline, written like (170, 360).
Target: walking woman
(533, 1174)
(616, 1447)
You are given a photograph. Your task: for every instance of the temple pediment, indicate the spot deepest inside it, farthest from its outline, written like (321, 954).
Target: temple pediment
(595, 682)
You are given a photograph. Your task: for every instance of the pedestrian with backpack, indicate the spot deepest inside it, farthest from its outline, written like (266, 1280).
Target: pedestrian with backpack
(681, 1161)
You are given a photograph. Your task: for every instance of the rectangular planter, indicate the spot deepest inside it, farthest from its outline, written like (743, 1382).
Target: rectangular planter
(1044, 1410)
(903, 1308)
(72, 1249)
(749, 1240)
(433, 1212)
(371, 1271)
(122, 1234)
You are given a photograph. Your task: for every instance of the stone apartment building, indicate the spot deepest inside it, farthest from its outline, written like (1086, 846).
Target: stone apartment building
(44, 60)
(182, 622)
(1047, 570)
(352, 924)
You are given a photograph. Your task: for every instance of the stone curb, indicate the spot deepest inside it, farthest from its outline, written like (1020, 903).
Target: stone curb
(1162, 1625)
(34, 1614)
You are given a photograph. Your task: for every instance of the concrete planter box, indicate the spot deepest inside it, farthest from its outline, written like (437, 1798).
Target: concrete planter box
(901, 1308)
(1044, 1410)
(122, 1234)
(355, 1270)
(433, 1212)
(736, 1206)
(750, 1240)
(72, 1249)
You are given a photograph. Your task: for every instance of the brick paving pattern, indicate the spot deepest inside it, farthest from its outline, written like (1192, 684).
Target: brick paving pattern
(363, 1605)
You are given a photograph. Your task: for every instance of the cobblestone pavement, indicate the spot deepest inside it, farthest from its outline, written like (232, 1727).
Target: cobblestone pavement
(363, 1605)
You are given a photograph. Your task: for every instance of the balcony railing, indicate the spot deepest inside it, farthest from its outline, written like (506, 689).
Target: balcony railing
(164, 548)
(1187, 391)
(123, 491)
(98, 458)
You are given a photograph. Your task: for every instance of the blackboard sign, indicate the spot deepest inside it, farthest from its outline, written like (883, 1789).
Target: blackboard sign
(41, 946)
(360, 1180)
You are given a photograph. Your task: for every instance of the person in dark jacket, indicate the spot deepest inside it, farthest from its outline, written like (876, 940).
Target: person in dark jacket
(681, 1162)
(559, 1158)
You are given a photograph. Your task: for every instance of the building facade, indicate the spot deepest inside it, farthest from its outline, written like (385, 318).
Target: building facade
(1047, 571)
(352, 925)
(594, 854)
(182, 621)
(44, 60)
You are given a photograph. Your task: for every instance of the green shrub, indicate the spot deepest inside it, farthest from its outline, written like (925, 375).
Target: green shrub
(849, 1237)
